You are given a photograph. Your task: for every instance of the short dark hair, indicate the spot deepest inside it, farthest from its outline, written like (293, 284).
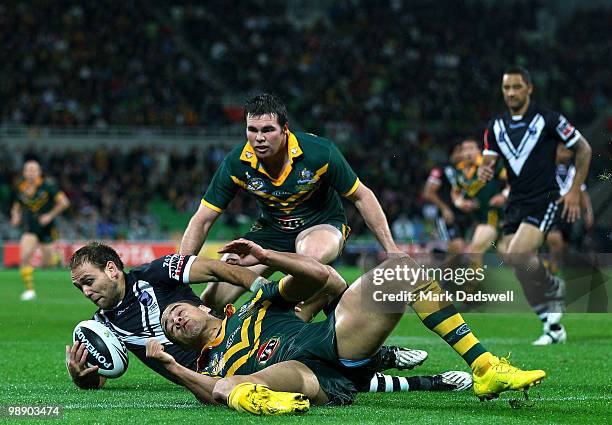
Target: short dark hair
(97, 254)
(264, 104)
(518, 69)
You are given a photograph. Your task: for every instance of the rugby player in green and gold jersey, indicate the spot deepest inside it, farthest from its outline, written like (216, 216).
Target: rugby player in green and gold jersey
(297, 179)
(262, 359)
(37, 203)
(484, 200)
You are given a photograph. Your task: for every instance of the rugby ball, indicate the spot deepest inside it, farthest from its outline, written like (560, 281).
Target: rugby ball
(104, 348)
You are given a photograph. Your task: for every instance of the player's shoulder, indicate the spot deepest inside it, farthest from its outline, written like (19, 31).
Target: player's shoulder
(310, 142)
(547, 113)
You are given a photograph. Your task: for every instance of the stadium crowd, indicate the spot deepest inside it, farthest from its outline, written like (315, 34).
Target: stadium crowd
(388, 81)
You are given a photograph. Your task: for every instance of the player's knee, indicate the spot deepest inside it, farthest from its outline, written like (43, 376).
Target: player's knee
(323, 253)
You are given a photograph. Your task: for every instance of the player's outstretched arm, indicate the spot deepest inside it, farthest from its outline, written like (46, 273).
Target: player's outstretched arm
(207, 270)
(200, 385)
(197, 230)
(83, 377)
(308, 276)
(365, 201)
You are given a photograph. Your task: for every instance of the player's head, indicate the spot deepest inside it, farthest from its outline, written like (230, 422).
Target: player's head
(470, 150)
(266, 124)
(454, 154)
(186, 324)
(97, 271)
(516, 87)
(31, 170)
(564, 155)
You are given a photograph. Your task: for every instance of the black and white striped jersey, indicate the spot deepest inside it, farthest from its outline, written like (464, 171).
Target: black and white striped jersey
(528, 143)
(565, 178)
(149, 289)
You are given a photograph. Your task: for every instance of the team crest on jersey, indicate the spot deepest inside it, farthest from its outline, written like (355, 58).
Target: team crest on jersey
(267, 349)
(255, 183)
(216, 363)
(305, 176)
(145, 299)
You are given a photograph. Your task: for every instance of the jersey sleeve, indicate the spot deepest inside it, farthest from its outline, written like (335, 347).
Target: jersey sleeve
(490, 142)
(562, 130)
(272, 291)
(222, 189)
(169, 270)
(342, 177)
(53, 190)
(435, 176)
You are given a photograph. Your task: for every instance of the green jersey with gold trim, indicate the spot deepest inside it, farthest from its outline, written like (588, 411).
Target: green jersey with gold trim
(472, 188)
(261, 333)
(305, 194)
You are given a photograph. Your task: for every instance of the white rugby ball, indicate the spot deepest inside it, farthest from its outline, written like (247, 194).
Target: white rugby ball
(104, 348)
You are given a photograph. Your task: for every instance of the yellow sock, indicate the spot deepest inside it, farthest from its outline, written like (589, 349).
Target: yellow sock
(443, 318)
(27, 275)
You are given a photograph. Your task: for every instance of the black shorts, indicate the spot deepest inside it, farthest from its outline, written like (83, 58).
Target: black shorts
(46, 234)
(543, 216)
(457, 230)
(564, 227)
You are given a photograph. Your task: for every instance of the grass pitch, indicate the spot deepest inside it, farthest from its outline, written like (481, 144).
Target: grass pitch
(32, 370)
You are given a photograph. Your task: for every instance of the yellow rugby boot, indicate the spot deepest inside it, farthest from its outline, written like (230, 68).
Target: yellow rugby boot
(260, 400)
(502, 376)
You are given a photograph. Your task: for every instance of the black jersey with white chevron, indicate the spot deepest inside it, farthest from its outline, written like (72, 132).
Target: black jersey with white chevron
(528, 144)
(148, 291)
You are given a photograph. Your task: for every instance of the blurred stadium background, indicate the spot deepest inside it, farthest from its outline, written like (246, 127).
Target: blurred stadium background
(131, 106)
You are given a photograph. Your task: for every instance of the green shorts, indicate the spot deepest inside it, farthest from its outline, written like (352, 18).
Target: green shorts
(46, 234)
(315, 346)
(270, 238)
(491, 216)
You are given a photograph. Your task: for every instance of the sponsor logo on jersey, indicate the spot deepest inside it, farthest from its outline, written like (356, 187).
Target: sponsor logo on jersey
(216, 363)
(175, 264)
(516, 125)
(290, 223)
(230, 339)
(255, 183)
(281, 193)
(565, 129)
(267, 349)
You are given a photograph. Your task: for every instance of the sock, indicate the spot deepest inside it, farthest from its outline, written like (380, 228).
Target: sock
(27, 275)
(381, 383)
(443, 318)
(538, 284)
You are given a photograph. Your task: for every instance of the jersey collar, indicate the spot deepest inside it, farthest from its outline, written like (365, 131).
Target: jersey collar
(293, 150)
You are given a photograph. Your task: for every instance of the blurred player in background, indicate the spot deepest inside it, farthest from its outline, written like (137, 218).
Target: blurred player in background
(452, 223)
(297, 180)
(561, 234)
(527, 136)
(37, 203)
(483, 200)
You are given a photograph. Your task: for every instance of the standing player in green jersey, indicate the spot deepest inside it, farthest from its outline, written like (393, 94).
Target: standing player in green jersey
(37, 203)
(254, 354)
(297, 179)
(484, 200)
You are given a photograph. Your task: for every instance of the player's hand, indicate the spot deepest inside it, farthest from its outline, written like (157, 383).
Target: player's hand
(76, 362)
(44, 219)
(571, 206)
(485, 171)
(448, 215)
(244, 248)
(468, 205)
(498, 201)
(155, 350)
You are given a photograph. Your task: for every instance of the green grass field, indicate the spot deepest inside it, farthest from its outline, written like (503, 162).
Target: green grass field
(32, 370)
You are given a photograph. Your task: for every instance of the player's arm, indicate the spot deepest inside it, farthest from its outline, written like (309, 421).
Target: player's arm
(15, 214)
(465, 205)
(430, 194)
(61, 203)
(197, 230)
(200, 385)
(207, 270)
(490, 153)
(83, 377)
(368, 206)
(307, 276)
(571, 200)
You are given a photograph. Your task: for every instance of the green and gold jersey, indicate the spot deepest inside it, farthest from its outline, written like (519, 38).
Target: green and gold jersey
(472, 188)
(255, 336)
(307, 192)
(36, 200)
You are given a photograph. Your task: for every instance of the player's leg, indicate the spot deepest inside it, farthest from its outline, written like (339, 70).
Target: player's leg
(542, 289)
(453, 380)
(556, 247)
(285, 387)
(324, 243)
(438, 314)
(27, 247)
(483, 238)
